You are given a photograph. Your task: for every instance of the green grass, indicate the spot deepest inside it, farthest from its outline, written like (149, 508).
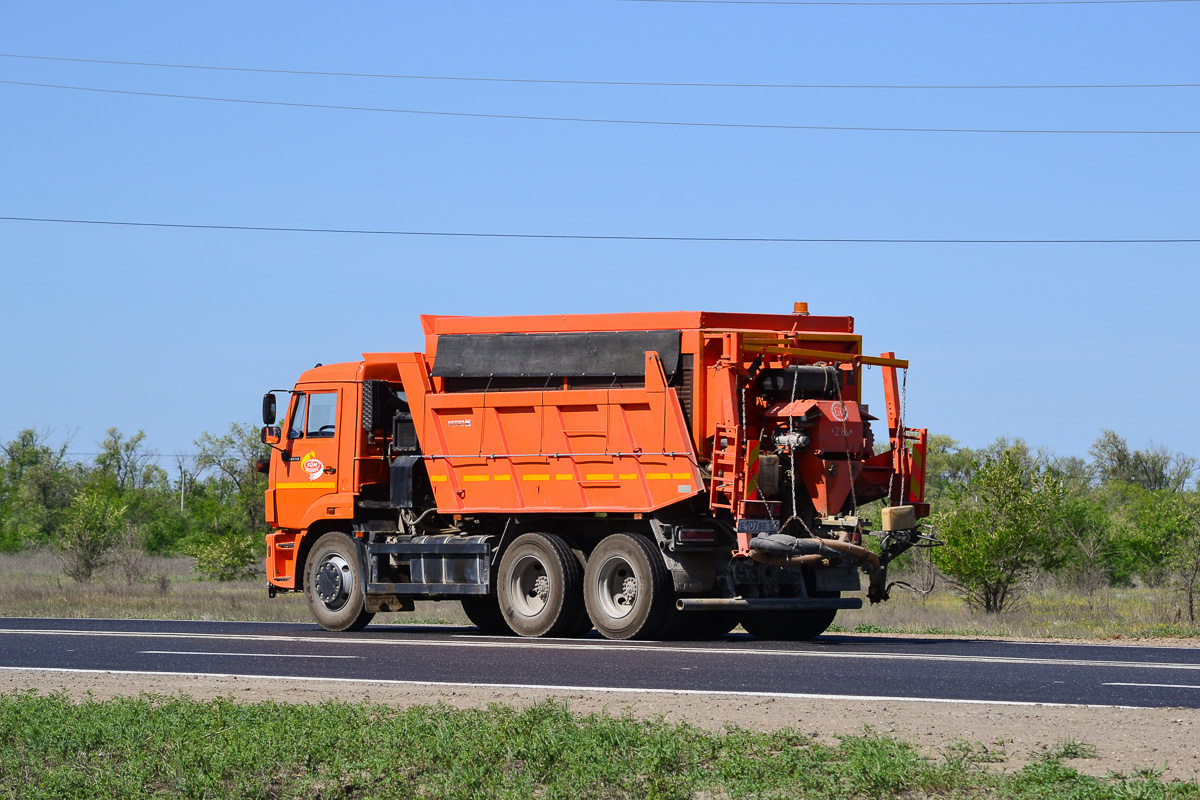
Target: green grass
(175, 747)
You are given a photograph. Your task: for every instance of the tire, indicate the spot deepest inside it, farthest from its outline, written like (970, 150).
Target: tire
(582, 625)
(627, 589)
(700, 625)
(539, 586)
(484, 613)
(788, 626)
(333, 584)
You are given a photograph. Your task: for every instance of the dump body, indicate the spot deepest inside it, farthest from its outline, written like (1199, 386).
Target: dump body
(694, 432)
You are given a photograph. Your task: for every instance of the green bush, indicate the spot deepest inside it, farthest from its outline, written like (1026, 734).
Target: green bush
(230, 556)
(999, 531)
(93, 524)
(10, 539)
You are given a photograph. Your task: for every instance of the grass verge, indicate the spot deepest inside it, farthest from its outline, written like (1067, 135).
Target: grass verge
(170, 746)
(1045, 612)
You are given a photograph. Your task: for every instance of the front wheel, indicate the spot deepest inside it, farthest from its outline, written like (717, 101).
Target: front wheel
(333, 585)
(627, 588)
(788, 626)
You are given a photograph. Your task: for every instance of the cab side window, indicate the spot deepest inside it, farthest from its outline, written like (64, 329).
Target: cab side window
(322, 413)
(296, 428)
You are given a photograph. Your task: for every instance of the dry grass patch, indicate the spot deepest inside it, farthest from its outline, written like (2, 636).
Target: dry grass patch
(32, 585)
(1049, 613)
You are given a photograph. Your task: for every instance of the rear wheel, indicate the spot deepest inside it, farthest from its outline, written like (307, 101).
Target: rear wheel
(700, 625)
(539, 586)
(788, 626)
(484, 613)
(627, 588)
(333, 584)
(583, 624)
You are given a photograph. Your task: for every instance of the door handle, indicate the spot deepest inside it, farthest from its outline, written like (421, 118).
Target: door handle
(330, 470)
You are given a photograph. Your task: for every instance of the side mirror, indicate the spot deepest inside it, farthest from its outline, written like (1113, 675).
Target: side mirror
(268, 408)
(271, 435)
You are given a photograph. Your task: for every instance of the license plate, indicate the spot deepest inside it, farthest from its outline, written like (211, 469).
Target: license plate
(757, 526)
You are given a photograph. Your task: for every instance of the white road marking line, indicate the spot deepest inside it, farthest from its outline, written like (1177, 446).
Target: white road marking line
(425, 626)
(556, 688)
(599, 646)
(255, 655)
(1153, 685)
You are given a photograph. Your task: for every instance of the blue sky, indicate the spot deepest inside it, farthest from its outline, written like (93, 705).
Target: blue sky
(180, 331)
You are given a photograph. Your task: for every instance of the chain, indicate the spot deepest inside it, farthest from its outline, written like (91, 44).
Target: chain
(792, 430)
(846, 438)
(891, 477)
(903, 431)
(743, 411)
(792, 459)
(902, 436)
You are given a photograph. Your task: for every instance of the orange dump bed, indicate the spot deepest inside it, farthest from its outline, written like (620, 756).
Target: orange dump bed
(574, 423)
(584, 450)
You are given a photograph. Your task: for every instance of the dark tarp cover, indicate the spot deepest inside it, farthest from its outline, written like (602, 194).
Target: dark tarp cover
(568, 355)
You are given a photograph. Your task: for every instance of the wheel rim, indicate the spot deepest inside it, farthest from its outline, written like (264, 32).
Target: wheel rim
(529, 586)
(333, 582)
(616, 587)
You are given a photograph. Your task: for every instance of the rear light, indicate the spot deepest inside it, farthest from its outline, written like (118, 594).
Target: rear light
(695, 536)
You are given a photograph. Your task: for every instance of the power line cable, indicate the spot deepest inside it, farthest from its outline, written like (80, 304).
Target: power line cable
(908, 2)
(609, 121)
(142, 455)
(591, 237)
(560, 81)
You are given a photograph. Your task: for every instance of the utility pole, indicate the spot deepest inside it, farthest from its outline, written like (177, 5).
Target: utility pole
(180, 460)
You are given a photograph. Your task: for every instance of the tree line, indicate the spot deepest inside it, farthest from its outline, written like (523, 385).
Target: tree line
(129, 500)
(1118, 517)
(1005, 513)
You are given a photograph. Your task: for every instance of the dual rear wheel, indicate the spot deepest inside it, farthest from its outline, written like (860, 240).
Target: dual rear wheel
(542, 589)
(538, 587)
(627, 588)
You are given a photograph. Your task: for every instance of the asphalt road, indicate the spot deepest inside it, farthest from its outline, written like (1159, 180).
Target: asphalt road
(835, 665)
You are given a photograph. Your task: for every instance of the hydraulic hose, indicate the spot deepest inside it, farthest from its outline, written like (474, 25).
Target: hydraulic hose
(853, 550)
(786, 561)
(420, 522)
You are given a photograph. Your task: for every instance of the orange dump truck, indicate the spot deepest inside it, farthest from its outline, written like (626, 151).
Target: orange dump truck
(649, 475)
